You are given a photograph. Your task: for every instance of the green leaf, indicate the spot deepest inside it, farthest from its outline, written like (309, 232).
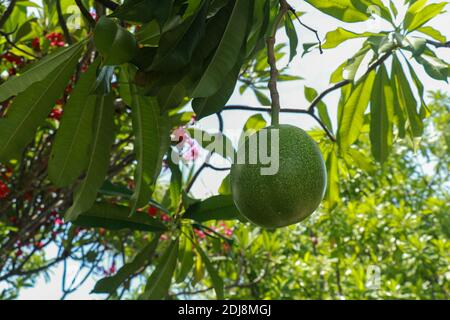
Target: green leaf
(254, 123)
(405, 100)
(432, 32)
(186, 259)
(117, 217)
(434, 67)
(62, 60)
(214, 208)
(343, 10)
(332, 193)
(340, 35)
(352, 111)
(31, 107)
(227, 53)
(292, 35)
(225, 186)
(381, 114)
(176, 46)
(204, 107)
(159, 282)
(98, 162)
(417, 15)
(144, 10)
(416, 45)
(176, 180)
(311, 94)
(71, 147)
(349, 68)
(215, 277)
(115, 190)
(393, 8)
(262, 98)
(142, 259)
(151, 142)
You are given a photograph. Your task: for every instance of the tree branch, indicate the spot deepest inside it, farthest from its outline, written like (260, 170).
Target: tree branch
(284, 110)
(343, 83)
(108, 4)
(439, 44)
(7, 13)
(85, 13)
(12, 44)
(272, 85)
(307, 27)
(62, 22)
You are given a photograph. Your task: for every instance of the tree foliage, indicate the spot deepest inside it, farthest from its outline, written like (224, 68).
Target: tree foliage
(93, 91)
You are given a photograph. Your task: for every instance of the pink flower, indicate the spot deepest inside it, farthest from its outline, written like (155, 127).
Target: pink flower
(180, 136)
(163, 237)
(228, 232)
(200, 234)
(165, 217)
(191, 154)
(59, 222)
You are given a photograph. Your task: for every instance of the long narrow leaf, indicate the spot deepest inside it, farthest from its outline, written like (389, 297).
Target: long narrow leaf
(381, 113)
(31, 107)
(71, 147)
(98, 162)
(159, 282)
(60, 60)
(151, 132)
(227, 52)
(142, 259)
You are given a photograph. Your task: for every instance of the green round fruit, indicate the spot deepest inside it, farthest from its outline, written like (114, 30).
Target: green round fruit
(116, 44)
(291, 194)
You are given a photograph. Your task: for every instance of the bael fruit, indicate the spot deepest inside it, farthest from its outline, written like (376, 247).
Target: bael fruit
(288, 196)
(116, 44)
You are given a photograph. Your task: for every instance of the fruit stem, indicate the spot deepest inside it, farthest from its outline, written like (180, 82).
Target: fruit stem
(272, 85)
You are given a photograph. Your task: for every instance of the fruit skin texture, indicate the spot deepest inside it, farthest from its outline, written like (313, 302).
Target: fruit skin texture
(289, 196)
(116, 44)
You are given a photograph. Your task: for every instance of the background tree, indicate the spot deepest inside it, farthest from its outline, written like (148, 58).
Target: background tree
(93, 91)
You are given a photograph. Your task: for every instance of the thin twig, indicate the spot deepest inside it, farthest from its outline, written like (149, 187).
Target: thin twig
(284, 110)
(271, 59)
(62, 22)
(7, 13)
(346, 82)
(85, 13)
(6, 36)
(108, 4)
(307, 27)
(439, 44)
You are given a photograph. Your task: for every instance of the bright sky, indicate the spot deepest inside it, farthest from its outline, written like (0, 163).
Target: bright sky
(315, 68)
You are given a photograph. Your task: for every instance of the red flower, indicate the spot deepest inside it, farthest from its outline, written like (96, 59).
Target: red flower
(165, 217)
(39, 245)
(19, 253)
(163, 237)
(56, 114)
(36, 44)
(10, 57)
(228, 232)
(4, 190)
(12, 71)
(112, 269)
(56, 39)
(152, 211)
(59, 222)
(200, 234)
